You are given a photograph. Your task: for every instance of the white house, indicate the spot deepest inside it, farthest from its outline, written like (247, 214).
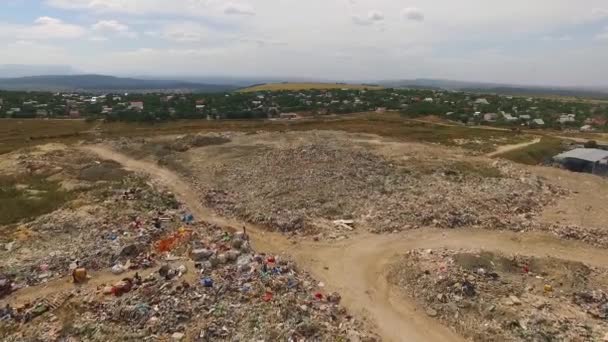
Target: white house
(539, 122)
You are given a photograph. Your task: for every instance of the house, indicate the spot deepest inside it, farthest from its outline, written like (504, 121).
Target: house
(106, 110)
(288, 116)
(490, 117)
(381, 110)
(538, 122)
(482, 101)
(449, 113)
(525, 117)
(137, 105)
(587, 128)
(74, 114)
(597, 121)
(567, 118)
(589, 160)
(42, 113)
(200, 107)
(509, 117)
(428, 99)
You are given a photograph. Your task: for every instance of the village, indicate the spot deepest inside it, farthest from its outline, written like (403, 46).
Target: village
(460, 107)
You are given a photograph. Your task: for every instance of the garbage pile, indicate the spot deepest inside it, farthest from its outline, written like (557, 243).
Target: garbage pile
(290, 188)
(189, 141)
(208, 285)
(593, 236)
(97, 235)
(486, 296)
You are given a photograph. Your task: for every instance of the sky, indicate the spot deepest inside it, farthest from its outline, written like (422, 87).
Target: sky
(541, 42)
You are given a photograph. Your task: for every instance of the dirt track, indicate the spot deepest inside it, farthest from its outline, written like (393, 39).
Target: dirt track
(509, 148)
(357, 267)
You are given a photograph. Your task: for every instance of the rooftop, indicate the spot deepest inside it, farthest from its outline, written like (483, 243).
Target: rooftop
(587, 154)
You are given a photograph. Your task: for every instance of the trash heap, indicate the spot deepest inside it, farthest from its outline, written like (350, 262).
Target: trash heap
(486, 296)
(290, 188)
(114, 227)
(208, 285)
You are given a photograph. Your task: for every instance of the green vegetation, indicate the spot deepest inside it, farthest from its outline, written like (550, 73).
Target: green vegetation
(536, 154)
(27, 197)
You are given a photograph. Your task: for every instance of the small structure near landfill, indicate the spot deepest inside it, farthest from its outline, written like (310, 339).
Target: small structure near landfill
(589, 160)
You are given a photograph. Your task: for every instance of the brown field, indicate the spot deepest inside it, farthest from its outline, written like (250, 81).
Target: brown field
(307, 86)
(15, 134)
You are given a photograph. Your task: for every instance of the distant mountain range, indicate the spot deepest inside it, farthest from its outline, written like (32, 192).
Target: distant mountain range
(68, 80)
(22, 70)
(101, 83)
(498, 88)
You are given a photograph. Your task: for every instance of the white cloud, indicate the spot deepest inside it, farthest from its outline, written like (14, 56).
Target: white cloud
(372, 17)
(43, 28)
(602, 36)
(599, 13)
(375, 16)
(564, 38)
(413, 14)
(185, 32)
(110, 25)
(238, 9)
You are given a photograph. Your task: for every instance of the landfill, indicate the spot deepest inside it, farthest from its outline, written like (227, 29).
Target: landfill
(487, 296)
(126, 261)
(302, 185)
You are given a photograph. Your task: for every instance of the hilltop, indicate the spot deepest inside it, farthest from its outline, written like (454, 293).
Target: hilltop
(306, 86)
(102, 83)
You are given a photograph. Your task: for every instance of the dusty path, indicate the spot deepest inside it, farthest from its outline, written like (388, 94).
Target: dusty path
(357, 267)
(508, 148)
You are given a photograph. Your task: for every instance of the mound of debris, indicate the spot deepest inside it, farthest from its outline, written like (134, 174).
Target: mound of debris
(97, 235)
(293, 187)
(592, 236)
(189, 141)
(125, 261)
(210, 286)
(490, 297)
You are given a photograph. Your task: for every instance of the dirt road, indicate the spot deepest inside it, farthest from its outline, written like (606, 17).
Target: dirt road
(357, 267)
(508, 148)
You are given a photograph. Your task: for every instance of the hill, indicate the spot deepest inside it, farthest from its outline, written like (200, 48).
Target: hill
(499, 88)
(306, 86)
(101, 83)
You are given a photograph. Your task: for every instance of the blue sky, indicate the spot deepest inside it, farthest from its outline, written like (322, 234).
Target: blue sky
(558, 42)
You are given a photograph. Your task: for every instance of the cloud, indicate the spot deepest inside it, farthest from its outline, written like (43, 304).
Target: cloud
(43, 28)
(186, 32)
(110, 26)
(237, 9)
(375, 16)
(372, 17)
(413, 14)
(563, 38)
(599, 13)
(264, 42)
(602, 36)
